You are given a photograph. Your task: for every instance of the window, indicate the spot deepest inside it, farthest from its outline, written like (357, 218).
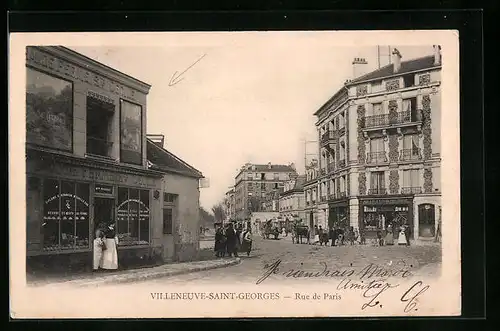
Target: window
(342, 184)
(133, 216)
(377, 145)
(276, 185)
(167, 221)
(377, 182)
(169, 197)
(410, 147)
(262, 176)
(99, 127)
(409, 80)
(411, 178)
(276, 175)
(65, 215)
(249, 176)
(131, 132)
(49, 111)
(377, 109)
(262, 186)
(377, 86)
(250, 186)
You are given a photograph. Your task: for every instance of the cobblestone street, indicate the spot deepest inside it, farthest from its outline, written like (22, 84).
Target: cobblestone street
(419, 259)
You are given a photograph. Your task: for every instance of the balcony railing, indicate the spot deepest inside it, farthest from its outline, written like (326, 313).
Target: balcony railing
(331, 196)
(327, 137)
(97, 146)
(410, 154)
(331, 167)
(402, 117)
(411, 190)
(376, 157)
(342, 163)
(377, 191)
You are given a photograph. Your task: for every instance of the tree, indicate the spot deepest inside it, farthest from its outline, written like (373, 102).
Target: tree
(206, 219)
(219, 212)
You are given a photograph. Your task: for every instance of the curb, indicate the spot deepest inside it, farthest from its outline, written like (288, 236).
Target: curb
(149, 276)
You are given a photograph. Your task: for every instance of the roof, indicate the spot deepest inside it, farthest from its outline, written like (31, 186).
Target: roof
(406, 66)
(165, 161)
(274, 168)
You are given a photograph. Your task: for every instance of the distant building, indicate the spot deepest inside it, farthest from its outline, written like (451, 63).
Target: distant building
(254, 181)
(272, 200)
(380, 148)
(310, 188)
(229, 204)
(292, 200)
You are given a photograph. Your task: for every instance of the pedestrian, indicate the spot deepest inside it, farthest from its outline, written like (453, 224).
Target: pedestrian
(316, 235)
(407, 234)
(333, 235)
(402, 236)
(380, 241)
(99, 248)
(283, 232)
(110, 254)
(231, 241)
(389, 236)
(219, 246)
(247, 241)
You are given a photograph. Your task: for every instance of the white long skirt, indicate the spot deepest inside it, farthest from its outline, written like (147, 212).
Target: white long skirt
(402, 238)
(110, 255)
(97, 260)
(316, 238)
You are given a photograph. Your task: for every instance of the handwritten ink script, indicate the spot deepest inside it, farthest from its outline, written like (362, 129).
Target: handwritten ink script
(177, 78)
(370, 280)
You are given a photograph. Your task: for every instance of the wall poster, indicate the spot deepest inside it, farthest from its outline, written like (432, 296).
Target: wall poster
(130, 132)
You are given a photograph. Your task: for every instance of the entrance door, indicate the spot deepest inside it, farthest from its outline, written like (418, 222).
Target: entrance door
(426, 220)
(311, 220)
(104, 211)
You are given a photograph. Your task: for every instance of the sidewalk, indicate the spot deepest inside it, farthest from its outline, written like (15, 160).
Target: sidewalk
(137, 275)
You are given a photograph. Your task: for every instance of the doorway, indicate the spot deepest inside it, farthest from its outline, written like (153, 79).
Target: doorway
(104, 211)
(311, 221)
(426, 220)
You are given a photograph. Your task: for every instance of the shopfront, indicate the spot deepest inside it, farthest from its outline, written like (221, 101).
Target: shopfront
(338, 216)
(66, 202)
(377, 214)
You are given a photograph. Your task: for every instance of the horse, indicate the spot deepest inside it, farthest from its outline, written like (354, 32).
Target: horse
(300, 232)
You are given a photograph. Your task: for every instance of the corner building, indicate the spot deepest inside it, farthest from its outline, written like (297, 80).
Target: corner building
(379, 147)
(86, 160)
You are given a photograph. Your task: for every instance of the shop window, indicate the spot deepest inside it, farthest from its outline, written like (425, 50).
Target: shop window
(66, 215)
(133, 214)
(167, 221)
(49, 111)
(130, 132)
(99, 127)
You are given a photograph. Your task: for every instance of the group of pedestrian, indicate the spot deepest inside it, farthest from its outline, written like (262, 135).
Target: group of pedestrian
(230, 240)
(392, 234)
(105, 255)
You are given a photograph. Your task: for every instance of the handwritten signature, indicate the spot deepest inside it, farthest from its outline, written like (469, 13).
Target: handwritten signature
(372, 281)
(176, 77)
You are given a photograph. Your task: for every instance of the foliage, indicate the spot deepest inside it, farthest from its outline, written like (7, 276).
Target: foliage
(206, 218)
(219, 212)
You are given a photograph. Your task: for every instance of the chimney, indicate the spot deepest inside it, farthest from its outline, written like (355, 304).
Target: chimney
(396, 60)
(157, 139)
(437, 54)
(292, 165)
(359, 67)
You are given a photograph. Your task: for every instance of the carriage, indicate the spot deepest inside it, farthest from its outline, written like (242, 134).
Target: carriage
(269, 228)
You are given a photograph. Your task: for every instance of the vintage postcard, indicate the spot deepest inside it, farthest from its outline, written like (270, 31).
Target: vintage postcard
(234, 174)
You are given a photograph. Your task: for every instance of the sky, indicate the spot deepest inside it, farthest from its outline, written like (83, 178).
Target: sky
(247, 99)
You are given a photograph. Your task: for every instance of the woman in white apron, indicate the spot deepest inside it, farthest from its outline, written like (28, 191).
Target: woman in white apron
(402, 237)
(110, 254)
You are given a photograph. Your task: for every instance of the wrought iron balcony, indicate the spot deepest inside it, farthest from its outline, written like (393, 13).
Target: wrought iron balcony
(376, 120)
(411, 190)
(331, 167)
(342, 163)
(328, 137)
(376, 157)
(410, 154)
(402, 117)
(377, 191)
(331, 196)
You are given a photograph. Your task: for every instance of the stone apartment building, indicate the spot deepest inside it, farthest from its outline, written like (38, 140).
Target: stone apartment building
(229, 203)
(88, 160)
(254, 181)
(292, 201)
(379, 147)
